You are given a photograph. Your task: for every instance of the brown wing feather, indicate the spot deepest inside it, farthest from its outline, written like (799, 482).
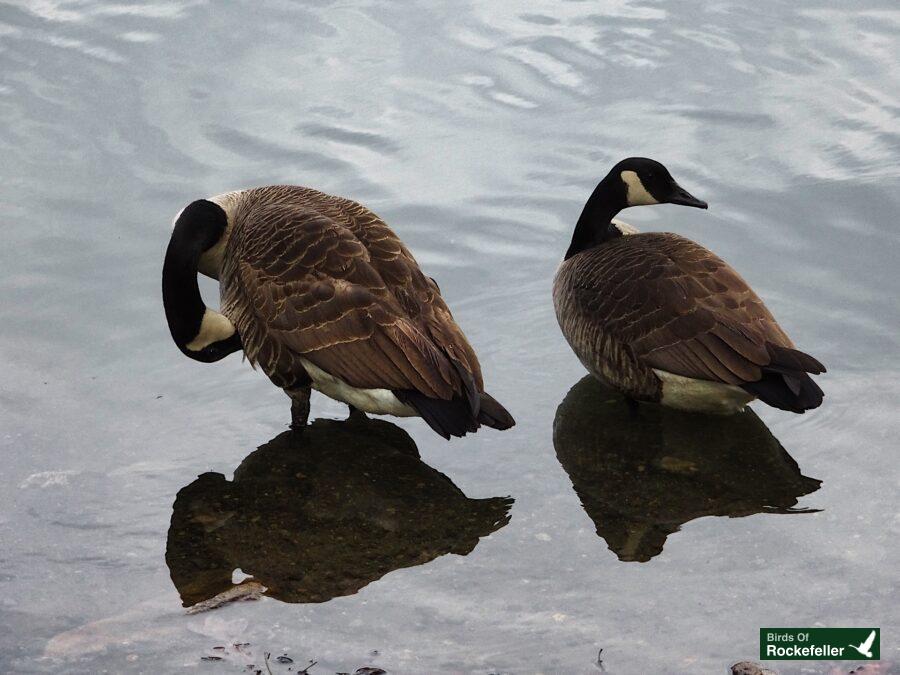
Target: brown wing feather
(314, 275)
(418, 294)
(681, 309)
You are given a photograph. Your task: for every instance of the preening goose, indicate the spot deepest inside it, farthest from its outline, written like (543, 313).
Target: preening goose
(663, 319)
(321, 294)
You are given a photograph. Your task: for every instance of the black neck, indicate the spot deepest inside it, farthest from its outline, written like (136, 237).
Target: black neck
(181, 295)
(595, 224)
(198, 228)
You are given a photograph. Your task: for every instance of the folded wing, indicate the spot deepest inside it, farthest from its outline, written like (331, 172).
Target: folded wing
(684, 310)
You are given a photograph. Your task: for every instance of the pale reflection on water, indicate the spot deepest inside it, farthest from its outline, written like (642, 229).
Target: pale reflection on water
(477, 131)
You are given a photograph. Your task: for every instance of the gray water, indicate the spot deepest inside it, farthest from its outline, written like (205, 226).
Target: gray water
(477, 131)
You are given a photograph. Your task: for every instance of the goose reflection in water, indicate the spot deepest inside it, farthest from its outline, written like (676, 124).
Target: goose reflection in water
(321, 514)
(641, 473)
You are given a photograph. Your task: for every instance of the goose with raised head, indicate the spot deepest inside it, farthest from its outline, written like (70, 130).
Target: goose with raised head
(321, 294)
(662, 318)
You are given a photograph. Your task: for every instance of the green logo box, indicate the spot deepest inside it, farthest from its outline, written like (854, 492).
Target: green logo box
(820, 644)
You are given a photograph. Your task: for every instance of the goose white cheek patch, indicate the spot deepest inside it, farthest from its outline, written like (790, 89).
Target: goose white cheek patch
(637, 193)
(213, 327)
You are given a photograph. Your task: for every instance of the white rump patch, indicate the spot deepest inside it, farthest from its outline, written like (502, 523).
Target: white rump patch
(637, 193)
(685, 393)
(213, 327)
(375, 401)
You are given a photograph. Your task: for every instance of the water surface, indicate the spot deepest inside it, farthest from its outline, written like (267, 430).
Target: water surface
(477, 130)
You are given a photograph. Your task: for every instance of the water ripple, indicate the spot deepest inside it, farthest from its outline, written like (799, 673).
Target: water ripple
(477, 131)
(346, 136)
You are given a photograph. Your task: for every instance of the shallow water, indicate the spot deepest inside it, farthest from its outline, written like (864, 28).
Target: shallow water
(477, 132)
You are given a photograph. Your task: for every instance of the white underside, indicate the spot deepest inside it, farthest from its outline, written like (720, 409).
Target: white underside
(375, 401)
(685, 393)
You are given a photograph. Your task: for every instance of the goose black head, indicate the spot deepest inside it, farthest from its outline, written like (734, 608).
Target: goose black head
(200, 333)
(646, 181)
(632, 182)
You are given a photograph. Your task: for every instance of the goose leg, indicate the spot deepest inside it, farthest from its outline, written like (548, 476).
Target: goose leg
(299, 406)
(356, 414)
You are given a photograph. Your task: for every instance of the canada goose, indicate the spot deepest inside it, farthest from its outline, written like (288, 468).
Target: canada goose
(640, 483)
(661, 318)
(321, 294)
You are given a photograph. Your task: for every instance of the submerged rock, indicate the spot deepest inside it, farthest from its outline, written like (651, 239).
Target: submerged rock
(750, 668)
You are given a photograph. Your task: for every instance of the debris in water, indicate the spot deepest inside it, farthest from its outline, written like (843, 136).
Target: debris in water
(246, 590)
(750, 668)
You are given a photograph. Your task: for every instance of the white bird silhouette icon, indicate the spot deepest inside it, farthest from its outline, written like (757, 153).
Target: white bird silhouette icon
(865, 647)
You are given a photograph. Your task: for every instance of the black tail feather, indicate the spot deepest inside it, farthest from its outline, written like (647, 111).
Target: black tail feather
(787, 359)
(494, 415)
(468, 386)
(456, 417)
(787, 390)
(448, 418)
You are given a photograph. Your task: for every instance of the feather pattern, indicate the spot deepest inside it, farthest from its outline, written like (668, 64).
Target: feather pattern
(660, 301)
(306, 275)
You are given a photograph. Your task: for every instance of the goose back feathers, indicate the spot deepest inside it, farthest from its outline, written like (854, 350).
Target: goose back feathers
(322, 292)
(659, 302)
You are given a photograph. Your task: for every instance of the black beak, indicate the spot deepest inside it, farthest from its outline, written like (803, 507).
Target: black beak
(681, 196)
(217, 350)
